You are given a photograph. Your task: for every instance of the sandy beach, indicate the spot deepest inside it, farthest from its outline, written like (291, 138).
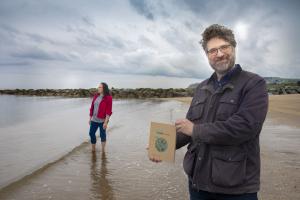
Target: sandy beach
(124, 171)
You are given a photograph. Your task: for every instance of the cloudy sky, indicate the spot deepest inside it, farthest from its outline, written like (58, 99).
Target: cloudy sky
(139, 43)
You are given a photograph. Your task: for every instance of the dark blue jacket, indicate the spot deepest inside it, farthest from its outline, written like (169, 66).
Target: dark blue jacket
(223, 153)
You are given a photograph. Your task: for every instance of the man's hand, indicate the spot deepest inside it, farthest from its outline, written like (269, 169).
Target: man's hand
(153, 159)
(156, 160)
(184, 126)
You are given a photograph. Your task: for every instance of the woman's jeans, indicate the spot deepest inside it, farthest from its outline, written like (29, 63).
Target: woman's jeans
(93, 129)
(203, 195)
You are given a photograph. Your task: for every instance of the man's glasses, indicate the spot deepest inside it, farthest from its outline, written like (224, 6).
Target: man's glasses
(214, 51)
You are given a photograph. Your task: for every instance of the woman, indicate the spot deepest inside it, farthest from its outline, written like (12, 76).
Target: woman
(100, 111)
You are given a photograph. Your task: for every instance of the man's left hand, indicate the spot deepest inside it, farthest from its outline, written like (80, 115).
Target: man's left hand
(185, 126)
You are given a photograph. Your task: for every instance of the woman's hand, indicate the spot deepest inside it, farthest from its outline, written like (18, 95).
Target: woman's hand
(105, 125)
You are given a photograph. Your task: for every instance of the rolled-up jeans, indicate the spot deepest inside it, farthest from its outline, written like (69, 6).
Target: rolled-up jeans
(203, 195)
(93, 129)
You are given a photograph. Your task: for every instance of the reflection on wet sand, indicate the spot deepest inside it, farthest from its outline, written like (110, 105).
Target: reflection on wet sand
(100, 185)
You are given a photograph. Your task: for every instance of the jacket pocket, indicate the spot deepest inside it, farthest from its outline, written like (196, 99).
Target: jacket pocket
(196, 109)
(189, 160)
(228, 168)
(228, 105)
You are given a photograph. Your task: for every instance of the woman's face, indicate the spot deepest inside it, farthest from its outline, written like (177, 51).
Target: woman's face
(100, 89)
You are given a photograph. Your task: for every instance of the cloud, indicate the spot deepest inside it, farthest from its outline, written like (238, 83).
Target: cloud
(143, 8)
(100, 42)
(88, 21)
(153, 38)
(16, 63)
(35, 53)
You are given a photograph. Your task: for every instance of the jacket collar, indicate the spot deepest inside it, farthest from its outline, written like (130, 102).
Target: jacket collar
(227, 81)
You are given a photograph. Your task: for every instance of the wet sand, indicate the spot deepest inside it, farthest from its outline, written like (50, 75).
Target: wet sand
(85, 175)
(280, 149)
(124, 171)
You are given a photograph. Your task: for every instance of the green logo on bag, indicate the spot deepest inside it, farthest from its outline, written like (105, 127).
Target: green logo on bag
(161, 144)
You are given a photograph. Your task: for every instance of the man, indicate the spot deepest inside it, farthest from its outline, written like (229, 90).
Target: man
(223, 124)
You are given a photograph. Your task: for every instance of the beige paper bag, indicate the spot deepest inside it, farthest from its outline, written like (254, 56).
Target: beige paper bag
(162, 141)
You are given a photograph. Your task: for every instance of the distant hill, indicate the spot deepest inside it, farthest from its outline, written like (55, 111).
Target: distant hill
(193, 86)
(278, 80)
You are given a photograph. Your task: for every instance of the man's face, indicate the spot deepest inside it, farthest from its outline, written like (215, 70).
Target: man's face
(221, 55)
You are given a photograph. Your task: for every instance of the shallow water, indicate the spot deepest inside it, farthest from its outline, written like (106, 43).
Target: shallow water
(37, 130)
(15, 110)
(37, 141)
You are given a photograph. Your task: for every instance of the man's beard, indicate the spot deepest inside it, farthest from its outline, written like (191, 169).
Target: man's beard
(223, 64)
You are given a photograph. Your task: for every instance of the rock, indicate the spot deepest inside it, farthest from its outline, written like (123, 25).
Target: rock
(139, 93)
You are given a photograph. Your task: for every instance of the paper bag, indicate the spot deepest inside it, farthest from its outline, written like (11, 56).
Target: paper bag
(162, 141)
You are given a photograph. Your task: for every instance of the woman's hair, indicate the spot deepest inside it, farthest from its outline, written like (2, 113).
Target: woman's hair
(105, 89)
(217, 31)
